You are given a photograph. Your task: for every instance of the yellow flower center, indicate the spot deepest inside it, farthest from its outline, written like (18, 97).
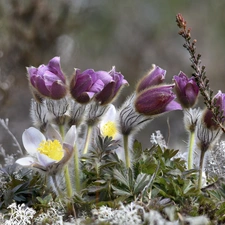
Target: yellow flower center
(109, 129)
(53, 149)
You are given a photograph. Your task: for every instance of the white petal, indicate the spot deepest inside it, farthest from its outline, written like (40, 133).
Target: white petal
(110, 115)
(71, 136)
(32, 137)
(44, 160)
(53, 134)
(27, 161)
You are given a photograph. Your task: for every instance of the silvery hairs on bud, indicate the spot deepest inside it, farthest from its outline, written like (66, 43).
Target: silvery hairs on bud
(206, 138)
(76, 112)
(129, 120)
(58, 109)
(39, 114)
(94, 112)
(191, 117)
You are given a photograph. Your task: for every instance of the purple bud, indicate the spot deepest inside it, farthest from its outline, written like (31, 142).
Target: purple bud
(110, 91)
(186, 90)
(155, 77)
(156, 100)
(48, 80)
(208, 117)
(84, 85)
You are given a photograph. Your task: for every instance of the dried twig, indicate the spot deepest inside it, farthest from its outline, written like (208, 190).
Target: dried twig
(199, 71)
(5, 124)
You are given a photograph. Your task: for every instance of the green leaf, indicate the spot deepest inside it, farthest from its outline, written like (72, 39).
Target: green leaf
(121, 192)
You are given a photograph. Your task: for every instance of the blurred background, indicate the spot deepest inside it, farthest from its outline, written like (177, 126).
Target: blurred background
(132, 35)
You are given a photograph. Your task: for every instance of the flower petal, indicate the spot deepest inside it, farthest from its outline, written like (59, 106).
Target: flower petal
(26, 161)
(32, 137)
(54, 66)
(41, 87)
(57, 90)
(71, 136)
(45, 160)
(110, 114)
(53, 134)
(155, 77)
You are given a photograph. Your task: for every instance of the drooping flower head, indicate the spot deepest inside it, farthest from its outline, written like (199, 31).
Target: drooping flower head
(186, 90)
(47, 80)
(84, 85)
(156, 100)
(111, 90)
(154, 77)
(47, 154)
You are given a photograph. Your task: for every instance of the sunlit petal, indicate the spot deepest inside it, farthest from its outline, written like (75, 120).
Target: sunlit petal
(27, 161)
(32, 137)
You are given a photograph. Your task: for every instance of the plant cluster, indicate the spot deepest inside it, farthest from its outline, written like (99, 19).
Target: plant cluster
(83, 164)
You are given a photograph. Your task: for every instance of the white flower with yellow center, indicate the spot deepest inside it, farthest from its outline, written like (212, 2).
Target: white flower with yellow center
(108, 125)
(47, 154)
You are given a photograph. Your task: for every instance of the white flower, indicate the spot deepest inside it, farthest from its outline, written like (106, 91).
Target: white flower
(108, 124)
(49, 154)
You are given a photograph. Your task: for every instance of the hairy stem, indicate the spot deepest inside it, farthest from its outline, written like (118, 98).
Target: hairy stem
(88, 138)
(201, 163)
(126, 150)
(190, 150)
(76, 169)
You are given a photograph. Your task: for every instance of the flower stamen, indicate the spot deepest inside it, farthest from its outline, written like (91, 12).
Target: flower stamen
(52, 149)
(109, 129)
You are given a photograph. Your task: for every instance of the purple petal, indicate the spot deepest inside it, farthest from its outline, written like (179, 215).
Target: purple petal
(186, 90)
(155, 77)
(41, 70)
(32, 71)
(173, 105)
(103, 76)
(80, 84)
(97, 86)
(58, 90)
(85, 97)
(49, 78)
(107, 94)
(153, 101)
(41, 88)
(54, 66)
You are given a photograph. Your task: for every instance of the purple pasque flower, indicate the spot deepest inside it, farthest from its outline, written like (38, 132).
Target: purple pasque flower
(208, 117)
(84, 85)
(48, 80)
(154, 77)
(47, 154)
(156, 100)
(186, 90)
(110, 91)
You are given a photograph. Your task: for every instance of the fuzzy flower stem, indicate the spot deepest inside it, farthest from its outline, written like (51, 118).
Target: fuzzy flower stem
(68, 182)
(67, 178)
(76, 169)
(56, 185)
(88, 138)
(61, 130)
(201, 162)
(126, 150)
(190, 151)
